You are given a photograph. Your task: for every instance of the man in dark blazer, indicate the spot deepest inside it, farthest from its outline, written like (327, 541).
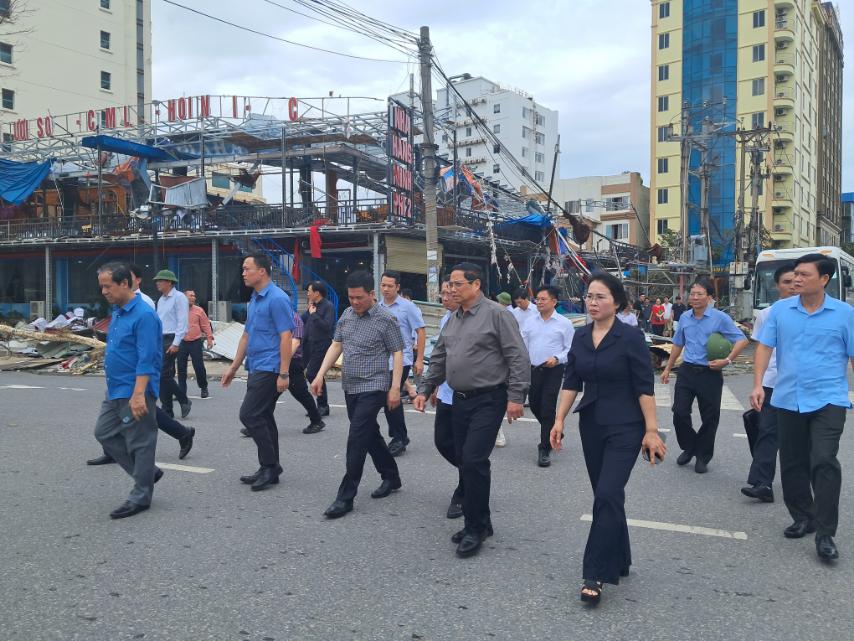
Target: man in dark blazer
(319, 321)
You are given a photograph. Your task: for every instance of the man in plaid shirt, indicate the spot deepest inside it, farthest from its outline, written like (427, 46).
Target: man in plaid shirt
(367, 335)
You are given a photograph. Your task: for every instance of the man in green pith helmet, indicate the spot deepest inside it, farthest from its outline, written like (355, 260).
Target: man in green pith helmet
(699, 376)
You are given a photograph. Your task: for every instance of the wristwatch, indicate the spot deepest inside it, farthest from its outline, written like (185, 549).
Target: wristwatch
(285, 375)
(728, 362)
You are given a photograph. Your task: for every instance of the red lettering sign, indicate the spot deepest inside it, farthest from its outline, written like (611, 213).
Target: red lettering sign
(293, 108)
(204, 106)
(109, 118)
(91, 125)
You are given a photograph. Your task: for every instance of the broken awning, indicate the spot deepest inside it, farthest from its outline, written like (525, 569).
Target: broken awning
(20, 179)
(126, 147)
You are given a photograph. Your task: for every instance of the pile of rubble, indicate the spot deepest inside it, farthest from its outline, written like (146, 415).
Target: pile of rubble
(59, 347)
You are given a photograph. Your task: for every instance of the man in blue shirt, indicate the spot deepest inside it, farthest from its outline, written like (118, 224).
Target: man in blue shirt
(699, 377)
(411, 323)
(126, 426)
(266, 346)
(813, 334)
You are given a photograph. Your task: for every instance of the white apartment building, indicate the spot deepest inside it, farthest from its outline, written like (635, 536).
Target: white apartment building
(525, 128)
(66, 56)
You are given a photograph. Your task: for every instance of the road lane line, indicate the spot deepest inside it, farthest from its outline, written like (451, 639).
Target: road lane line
(185, 468)
(74, 389)
(678, 527)
(20, 387)
(729, 401)
(737, 435)
(662, 395)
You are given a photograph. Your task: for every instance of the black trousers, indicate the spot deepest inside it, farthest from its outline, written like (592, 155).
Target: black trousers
(706, 385)
(193, 351)
(364, 439)
(256, 414)
(542, 398)
(610, 452)
(172, 427)
(443, 437)
(168, 385)
(764, 464)
(396, 421)
(298, 388)
(476, 422)
(809, 470)
(313, 354)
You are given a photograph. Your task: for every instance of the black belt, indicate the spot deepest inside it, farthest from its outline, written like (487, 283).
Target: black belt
(467, 394)
(693, 365)
(543, 368)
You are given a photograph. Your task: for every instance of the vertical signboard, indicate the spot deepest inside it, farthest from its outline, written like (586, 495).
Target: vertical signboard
(401, 162)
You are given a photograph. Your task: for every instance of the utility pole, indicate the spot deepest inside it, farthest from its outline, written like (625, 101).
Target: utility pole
(684, 165)
(428, 148)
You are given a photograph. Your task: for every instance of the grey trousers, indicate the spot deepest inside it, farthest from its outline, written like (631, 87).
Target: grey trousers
(132, 446)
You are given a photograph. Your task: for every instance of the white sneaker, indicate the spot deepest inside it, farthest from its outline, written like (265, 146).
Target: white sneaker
(500, 440)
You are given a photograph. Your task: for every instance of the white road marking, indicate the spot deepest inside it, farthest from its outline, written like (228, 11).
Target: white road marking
(664, 429)
(729, 401)
(185, 468)
(662, 395)
(678, 527)
(74, 389)
(20, 387)
(737, 435)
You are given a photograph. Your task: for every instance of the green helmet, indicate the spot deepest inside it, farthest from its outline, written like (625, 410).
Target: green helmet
(717, 347)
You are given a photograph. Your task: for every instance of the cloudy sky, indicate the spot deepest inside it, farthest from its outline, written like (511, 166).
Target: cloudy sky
(588, 59)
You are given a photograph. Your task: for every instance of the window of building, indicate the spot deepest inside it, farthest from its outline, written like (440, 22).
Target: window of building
(617, 231)
(5, 53)
(525, 112)
(105, 40)
(496, 168)
(106, 80)
(616, 203)
(524, 152)
(540, 138)
(759, 52)
(759, 86)
(468, 131)
(7, 142)
(663, 72)
(496, 108)
(525, 131)
(539, 176)
(105, 4)
(444, 137)
(663, 165)
(5, 7)
(541, 120)
(661, 226)
(663, 103)
(8, 99)
(759, 19)
(757, 120)
(468, 152)
(496, 149)
(496, 128)
(221, 181)
(663, 40)
(662, 196)
(663, 10)
(665, 132)
(539, 158)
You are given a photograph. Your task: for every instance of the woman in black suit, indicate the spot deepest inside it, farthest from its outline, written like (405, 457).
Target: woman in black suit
(610, 362)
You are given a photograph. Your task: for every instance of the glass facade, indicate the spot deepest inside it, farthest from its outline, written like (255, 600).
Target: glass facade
(709, 87)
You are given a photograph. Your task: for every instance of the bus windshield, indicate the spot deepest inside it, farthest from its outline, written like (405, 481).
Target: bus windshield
(765, 291)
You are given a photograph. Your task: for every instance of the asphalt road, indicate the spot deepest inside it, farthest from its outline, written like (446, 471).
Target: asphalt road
(212, 560)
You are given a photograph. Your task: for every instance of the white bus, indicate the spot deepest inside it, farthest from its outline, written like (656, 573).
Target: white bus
(764, 291)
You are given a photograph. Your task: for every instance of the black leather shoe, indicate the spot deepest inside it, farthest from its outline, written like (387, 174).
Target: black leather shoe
(471, 543)
(249, 479)
(204, 393)
(700, 466)
(799, 529)
(127, 509)
(761, 492)
(185, 408)
(323, 409)
(338, 509)
(458, 536)
(267, 476)
(314, 428)
(158, 474)
(684, 458)
(104, 459)
(396, 448)
(386, 488)
(186, 443)
(244, 432)
(826, 548)
(544, 458)
(455, 509)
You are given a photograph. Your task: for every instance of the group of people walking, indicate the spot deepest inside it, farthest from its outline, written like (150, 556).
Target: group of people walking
(485, 363)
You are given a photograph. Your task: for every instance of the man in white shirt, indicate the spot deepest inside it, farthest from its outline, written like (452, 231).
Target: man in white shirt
(173, 310)
(522, 309)
(764, 465)
(668, 316)
(548, 337)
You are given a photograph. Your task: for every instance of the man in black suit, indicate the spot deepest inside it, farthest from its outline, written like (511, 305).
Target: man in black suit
(319, 320)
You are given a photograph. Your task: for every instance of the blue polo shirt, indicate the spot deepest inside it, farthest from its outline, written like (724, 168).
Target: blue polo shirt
(812, 353)
(269, 315)
(409, 318)
(134, 348)
(693, 334)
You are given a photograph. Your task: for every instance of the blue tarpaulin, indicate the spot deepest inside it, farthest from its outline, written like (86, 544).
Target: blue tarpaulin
(126, 147)
(19, 179)
(536, 220)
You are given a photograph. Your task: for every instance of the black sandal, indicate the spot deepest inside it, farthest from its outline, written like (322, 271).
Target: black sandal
(591, 591)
